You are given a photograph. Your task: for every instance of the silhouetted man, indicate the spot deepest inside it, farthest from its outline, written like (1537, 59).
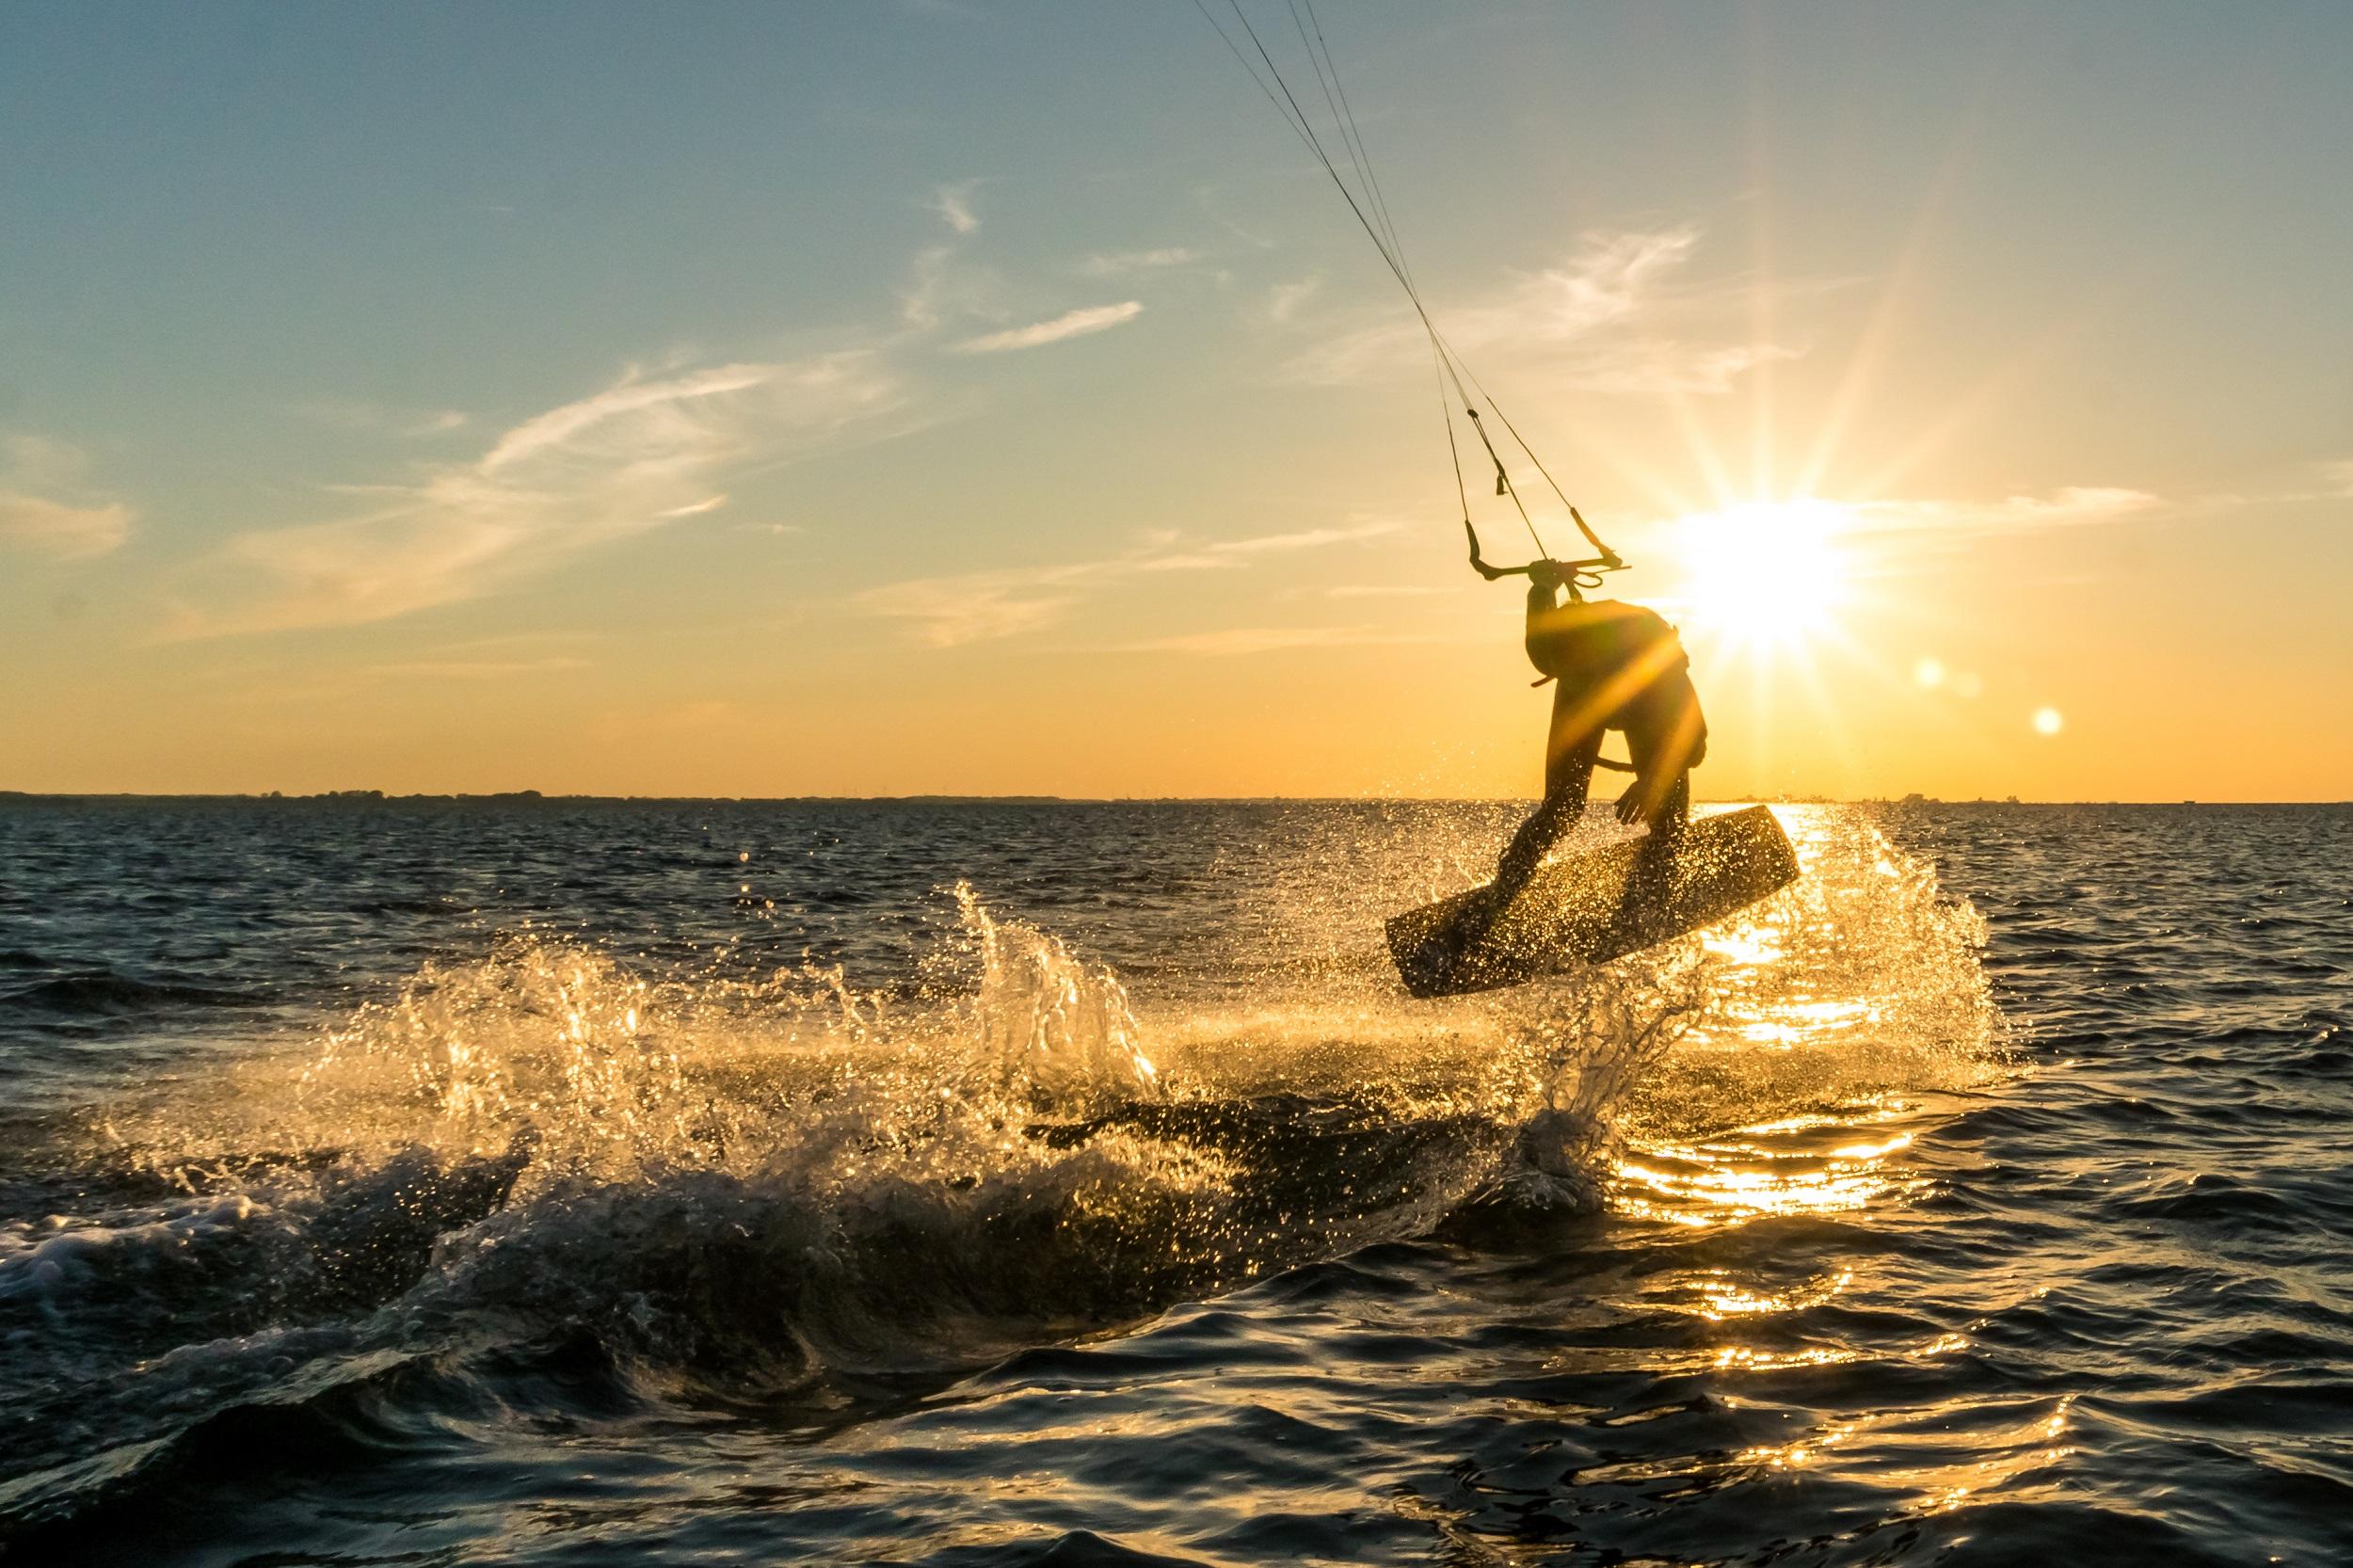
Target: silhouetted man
(1619, 667)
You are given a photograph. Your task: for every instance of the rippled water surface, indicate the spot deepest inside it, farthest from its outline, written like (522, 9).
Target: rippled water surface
(709, 1182)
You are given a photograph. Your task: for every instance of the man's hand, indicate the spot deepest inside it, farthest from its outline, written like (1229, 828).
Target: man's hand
(1634, 806)
(1545, 574)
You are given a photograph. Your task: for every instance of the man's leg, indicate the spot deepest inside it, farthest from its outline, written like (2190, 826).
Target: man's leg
(1649, 891)
(1569, 776)
(1674, 810)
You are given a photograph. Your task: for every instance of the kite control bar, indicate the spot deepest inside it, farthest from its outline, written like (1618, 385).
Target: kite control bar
(1573, 574)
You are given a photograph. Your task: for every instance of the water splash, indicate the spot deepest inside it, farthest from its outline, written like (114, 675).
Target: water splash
(1054, 1028)
(1859, 981)
(754, 1184)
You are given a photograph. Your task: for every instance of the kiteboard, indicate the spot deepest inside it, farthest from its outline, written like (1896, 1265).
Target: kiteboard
(1592, 907)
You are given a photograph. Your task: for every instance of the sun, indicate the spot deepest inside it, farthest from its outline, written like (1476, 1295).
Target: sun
(1762, 574)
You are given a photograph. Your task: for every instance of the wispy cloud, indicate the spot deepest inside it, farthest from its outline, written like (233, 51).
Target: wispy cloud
(954, 203)
(353, 415)
(645, 452)
(479, 669)
(38, 462)
(1664, 368)
(56, 528)
(941, 281)
(1114, 263)
(1226, 552)
(944, 282)
(1614, 316)
(1070, 324)
(2071, 504)
(941, 284)
(980, 606)
(34, 472)
(1241, 640)
(1284, 300)
(983, 606)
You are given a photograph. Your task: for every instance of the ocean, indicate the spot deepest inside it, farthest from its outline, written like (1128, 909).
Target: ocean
(552, 1181)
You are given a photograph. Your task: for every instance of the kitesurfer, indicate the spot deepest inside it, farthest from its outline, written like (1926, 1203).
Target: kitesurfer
(1618, 666)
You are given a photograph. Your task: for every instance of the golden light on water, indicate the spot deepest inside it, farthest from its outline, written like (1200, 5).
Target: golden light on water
(1721, 1184)
(1721, 1296)
(1747, 944)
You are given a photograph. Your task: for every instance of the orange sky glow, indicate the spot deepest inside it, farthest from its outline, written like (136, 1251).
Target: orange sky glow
(1971, 391)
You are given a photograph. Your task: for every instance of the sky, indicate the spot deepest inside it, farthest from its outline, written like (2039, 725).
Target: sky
(967, 397)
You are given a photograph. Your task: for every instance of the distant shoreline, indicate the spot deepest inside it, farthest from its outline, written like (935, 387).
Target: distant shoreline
(532, 798)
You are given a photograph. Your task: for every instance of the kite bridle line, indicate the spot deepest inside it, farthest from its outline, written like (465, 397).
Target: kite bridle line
(1452, 371)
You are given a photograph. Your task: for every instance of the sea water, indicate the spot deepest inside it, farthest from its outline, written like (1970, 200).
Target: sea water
(585, 1182)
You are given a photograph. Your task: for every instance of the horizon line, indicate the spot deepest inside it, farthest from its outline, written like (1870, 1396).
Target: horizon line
(381, 797)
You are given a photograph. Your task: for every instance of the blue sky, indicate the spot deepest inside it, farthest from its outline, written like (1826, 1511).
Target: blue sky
(874, 397)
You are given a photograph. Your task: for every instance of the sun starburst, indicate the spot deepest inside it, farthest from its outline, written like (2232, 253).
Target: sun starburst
(1762, 576)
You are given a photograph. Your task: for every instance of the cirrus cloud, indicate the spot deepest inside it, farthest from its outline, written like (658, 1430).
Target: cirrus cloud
(2070, 505)
(1616, 315)
(56, 528)
(954, 203)
(34, 472)
(1070, 324)
(642, 454)
(981, 607)
(1112, 263)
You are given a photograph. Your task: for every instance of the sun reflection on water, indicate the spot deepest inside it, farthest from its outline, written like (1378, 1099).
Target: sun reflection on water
(1837, 991)
(1724, 1298)
(1748, 1359)
(1838, 1018)
(1723, 1183)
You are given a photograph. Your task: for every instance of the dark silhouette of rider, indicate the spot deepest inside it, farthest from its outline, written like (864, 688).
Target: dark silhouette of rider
(1619, 667)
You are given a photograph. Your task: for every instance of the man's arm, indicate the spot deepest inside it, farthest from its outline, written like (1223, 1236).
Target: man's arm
(1543, 602)
(1667, 740)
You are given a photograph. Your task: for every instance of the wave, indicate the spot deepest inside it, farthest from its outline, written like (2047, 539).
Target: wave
(103, 994)
(738, 1188)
